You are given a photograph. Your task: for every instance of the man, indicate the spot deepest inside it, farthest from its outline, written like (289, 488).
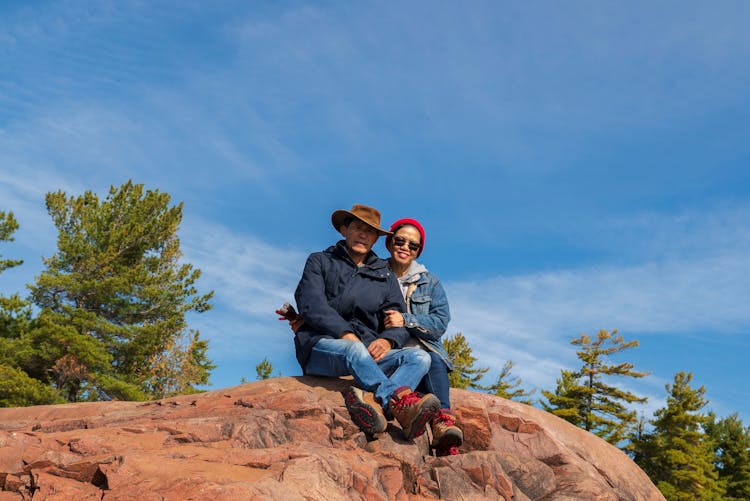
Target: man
(343, 297)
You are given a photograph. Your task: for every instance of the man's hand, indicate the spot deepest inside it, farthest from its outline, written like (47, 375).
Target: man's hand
(379, 348)
(350, 336)
(296, 323)
(287, 312)
(393, 318)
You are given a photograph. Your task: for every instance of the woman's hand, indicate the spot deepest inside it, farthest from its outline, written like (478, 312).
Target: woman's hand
(379, 348)
(393, 318)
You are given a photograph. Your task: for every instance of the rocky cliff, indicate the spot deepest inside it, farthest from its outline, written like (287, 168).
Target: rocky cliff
(291, 438)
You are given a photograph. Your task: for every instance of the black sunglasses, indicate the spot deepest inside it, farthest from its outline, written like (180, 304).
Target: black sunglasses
(400, 241)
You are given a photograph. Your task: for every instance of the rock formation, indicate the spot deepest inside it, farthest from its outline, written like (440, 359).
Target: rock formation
(291, 438)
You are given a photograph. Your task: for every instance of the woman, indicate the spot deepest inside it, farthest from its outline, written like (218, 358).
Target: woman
(426, 320)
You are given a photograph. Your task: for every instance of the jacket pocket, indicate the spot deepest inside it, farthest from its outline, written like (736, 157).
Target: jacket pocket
(420, 304)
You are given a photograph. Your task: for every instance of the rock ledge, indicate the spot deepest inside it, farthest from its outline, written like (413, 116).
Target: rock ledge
(291, 438)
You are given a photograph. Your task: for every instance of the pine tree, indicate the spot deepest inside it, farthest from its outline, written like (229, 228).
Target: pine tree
(464, 374)
(264, 369)
(114, 297)
(677, 455)
(8, 226)
(17, 388)
(567, 399)
(586, 400)
(731, 441)
(509, 386)
(636, 447)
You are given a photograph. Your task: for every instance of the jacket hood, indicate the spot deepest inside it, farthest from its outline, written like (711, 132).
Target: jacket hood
(413, 273)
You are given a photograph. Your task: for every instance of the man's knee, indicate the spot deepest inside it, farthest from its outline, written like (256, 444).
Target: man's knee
(356, 350)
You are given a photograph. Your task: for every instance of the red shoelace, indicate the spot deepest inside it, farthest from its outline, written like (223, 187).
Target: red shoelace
(446, 419)
(407, 400)
(450, 451)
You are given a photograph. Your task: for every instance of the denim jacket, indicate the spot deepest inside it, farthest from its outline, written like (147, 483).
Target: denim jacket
(428, 313)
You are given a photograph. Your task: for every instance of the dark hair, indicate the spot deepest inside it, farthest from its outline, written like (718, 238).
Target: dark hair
(346, 222)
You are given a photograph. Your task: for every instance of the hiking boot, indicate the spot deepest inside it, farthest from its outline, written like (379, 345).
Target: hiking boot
(446, 436)
(413, 410)
(448, 452)
(365, 411)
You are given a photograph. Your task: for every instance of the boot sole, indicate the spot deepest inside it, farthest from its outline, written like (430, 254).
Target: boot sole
(363, 414)
(430, 410)
(448, 440)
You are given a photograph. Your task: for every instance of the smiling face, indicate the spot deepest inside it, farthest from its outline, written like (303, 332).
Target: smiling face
(359, 238)
(401, 254)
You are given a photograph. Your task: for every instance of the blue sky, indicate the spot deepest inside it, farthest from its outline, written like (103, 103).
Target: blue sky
(577, 166)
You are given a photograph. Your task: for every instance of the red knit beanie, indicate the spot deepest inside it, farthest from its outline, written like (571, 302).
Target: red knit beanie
(401, 222)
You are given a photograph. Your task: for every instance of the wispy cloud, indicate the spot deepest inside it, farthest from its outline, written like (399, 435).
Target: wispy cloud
(65, 148)
(249, 275)
(530, 318)
(685, 295)
(251, 278)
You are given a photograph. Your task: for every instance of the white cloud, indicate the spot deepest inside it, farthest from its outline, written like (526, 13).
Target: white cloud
(691, 278)
(249, 275)
(682, 295)
(251, 278)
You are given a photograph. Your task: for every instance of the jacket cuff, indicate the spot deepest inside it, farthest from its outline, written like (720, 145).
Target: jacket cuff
(410, 320)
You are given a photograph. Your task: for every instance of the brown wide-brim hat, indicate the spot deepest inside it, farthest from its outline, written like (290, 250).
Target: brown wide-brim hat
(368, 215)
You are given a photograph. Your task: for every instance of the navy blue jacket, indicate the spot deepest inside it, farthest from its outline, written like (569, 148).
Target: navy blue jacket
(335, 295)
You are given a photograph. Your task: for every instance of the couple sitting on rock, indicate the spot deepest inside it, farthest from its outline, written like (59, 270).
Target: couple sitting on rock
(380, 322)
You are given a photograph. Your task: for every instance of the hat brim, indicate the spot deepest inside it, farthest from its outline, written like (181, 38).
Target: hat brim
(340, 216)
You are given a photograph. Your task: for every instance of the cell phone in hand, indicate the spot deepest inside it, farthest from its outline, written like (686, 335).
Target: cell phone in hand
(287, 312)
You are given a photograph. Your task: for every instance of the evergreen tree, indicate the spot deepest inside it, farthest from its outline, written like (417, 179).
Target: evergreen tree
(114, 297)
(585, 399)
(15, 317)
(509, 387)
(264, 369)
(677, 455)
(638, 437)
(17, 388)
(464, 374)
(731, 441)
(8, 225)
(567, 399)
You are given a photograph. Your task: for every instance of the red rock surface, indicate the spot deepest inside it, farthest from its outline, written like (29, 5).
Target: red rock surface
(291, 438)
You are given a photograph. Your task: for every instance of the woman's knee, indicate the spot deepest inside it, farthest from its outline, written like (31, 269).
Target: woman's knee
(436, 361)
(421, 357)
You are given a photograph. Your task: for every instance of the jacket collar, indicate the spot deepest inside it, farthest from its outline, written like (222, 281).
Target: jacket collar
(371, 259)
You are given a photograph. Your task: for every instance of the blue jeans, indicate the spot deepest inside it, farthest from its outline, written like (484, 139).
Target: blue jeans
(436, 381)
(342, 357)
